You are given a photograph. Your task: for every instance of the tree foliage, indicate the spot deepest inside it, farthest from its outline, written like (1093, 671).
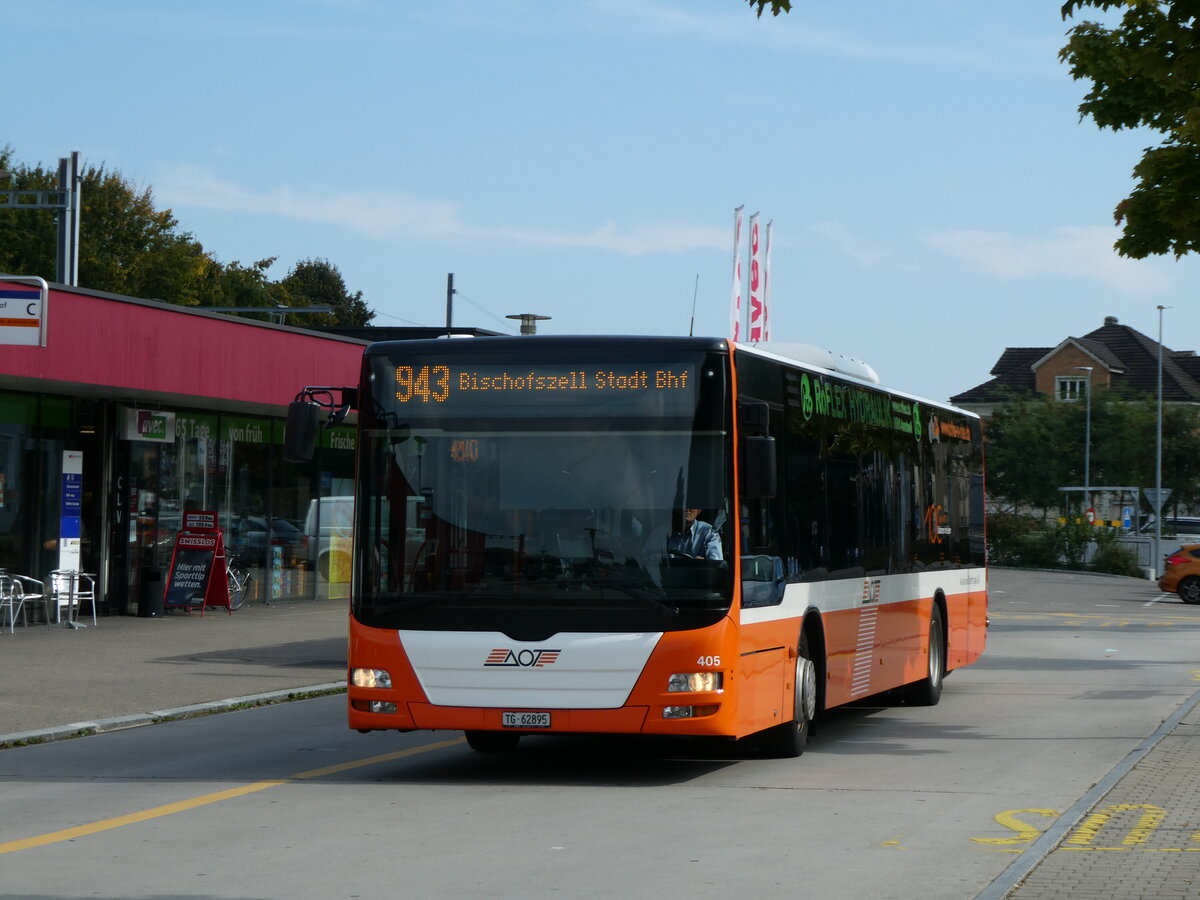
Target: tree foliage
(1035, 446)
(126, 245)
(318, 282)
(1145, 72)
(129, 246)
(776, 6)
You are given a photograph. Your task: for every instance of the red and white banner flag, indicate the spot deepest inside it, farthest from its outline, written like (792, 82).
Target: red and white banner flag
(766, 291)
(756, 307)
(735, 312)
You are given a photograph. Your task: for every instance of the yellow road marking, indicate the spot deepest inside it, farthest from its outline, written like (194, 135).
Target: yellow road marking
(1083, 838)
(374, 760)
(1025, 833)
(168, 809)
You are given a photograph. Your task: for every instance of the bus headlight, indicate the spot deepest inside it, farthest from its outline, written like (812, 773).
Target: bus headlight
(370, 678)
(695, 681)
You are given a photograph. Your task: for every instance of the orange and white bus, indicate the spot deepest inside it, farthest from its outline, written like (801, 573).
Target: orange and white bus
(520, 552)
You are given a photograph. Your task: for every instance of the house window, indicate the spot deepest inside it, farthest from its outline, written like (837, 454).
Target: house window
(1070, 387)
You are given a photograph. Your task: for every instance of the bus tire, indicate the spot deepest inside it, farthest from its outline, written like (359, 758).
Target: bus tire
(788, 739)
(492, 741)
(928, 691)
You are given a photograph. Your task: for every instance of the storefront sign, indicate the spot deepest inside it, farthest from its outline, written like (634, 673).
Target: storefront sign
(147, 425)
(199, 520)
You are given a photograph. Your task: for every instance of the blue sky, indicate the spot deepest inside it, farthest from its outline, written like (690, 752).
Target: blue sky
(935, 197)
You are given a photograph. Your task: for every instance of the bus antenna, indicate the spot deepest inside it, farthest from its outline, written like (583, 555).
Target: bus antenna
(695, 291)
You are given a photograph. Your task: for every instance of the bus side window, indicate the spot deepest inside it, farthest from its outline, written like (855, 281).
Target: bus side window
(802, 489)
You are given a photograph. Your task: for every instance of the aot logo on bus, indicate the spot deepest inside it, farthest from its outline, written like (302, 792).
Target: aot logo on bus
(525, 659)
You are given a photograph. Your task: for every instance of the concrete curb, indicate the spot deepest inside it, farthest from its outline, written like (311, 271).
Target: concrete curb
(1008, 882)
(117, 723)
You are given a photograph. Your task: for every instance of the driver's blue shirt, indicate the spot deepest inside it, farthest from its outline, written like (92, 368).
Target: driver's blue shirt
(698, 539)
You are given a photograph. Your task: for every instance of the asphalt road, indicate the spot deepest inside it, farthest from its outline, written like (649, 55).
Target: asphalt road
(888, 802)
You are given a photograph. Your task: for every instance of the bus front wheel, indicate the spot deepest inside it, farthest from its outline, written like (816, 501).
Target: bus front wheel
(788, 739)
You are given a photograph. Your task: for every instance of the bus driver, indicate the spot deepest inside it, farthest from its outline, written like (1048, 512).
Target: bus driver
(691, 537)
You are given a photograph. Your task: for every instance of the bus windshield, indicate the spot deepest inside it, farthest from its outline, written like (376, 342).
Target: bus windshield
(545, 496)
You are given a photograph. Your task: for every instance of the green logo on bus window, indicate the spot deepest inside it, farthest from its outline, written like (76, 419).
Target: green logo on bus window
(806, 397)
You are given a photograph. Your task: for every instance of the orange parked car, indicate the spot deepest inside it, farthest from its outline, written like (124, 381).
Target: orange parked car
(1181, 573)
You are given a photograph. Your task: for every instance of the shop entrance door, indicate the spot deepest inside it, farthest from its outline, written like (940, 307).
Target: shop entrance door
(148, 530)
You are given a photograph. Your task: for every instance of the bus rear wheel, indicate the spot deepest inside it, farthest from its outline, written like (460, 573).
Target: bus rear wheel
(492, 741)
(788, 739)
(928, 691)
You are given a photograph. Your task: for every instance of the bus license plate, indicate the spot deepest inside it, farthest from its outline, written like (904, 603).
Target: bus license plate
(525, 719)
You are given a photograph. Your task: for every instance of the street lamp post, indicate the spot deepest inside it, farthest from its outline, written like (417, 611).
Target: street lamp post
(1158, 454)
(1087, 444)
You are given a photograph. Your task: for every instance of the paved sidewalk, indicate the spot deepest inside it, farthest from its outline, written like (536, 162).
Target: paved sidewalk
(1136, 835)
(56, 681)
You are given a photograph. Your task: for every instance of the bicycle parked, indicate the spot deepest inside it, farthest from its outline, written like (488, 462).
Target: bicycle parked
(239, 580)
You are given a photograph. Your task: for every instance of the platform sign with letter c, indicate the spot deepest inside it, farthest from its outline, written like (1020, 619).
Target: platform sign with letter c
(23, 311)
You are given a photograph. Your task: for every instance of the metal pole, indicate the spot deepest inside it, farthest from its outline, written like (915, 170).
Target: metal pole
(449, 300)
(1158, 453)
(1087, 444)
(76, 201)
(62, 267)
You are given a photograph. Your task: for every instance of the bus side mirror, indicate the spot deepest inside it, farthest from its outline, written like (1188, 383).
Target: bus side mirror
(300, 432)
(759, 478)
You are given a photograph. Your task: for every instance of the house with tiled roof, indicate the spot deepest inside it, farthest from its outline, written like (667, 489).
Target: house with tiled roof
(1114, 355)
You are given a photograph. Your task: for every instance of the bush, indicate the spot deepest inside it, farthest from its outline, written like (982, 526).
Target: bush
(1112, 558)
(1025, 542)
(1012, 538)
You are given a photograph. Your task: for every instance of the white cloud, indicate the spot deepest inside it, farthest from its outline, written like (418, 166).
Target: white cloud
(1073, 252)
(837, 235)
(794, 31)
(388, 217)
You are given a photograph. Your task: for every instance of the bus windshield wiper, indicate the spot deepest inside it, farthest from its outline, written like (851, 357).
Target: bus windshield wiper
(642, 597)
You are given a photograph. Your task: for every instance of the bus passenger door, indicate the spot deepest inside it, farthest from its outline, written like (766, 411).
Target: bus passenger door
(766, 645)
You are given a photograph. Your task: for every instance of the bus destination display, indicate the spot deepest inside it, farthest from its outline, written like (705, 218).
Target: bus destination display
(438, 383)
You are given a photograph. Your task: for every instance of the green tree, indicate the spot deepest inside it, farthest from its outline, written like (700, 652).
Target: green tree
(237, 285)
(318, 282)
(1030, 452)
(1035, 446)
(126, 245)
(776, 6)
(1145, 72)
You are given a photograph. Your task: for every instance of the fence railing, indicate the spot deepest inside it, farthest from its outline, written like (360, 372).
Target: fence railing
(1142, 546)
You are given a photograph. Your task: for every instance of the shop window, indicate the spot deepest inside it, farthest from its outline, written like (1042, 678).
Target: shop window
(18, 481)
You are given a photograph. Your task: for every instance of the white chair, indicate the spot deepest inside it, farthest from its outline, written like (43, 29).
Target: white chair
(68, 590)
(85, 592)
(34, 594)
(12, 601)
